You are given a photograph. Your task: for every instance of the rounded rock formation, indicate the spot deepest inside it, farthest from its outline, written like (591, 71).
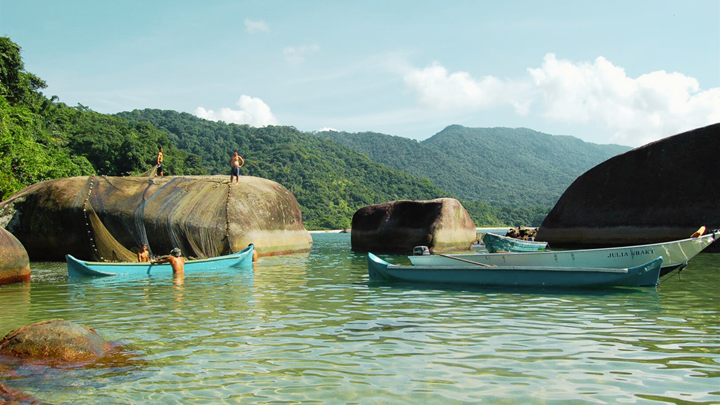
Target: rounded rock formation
(14, 262)
(442, 224)
(107, 218)
(659, 192)
(56, 340)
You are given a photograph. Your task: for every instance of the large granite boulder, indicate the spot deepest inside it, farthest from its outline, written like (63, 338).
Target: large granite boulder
(442, 224)
(658, 192)
(107, 218)
(54, 341)
(14, 262)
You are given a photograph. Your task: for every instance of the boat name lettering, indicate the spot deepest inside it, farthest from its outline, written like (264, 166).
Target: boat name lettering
(631, 253)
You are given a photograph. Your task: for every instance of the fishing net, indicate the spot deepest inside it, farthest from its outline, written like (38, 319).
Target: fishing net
(109, 218)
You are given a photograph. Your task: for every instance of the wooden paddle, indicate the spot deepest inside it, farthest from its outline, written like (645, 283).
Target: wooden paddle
(468, 261)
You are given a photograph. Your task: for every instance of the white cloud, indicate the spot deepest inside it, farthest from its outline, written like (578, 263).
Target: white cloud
(253, 111)
(637, 110)
(438, 89)
(327, 129)
(254, 27)
(297, 54)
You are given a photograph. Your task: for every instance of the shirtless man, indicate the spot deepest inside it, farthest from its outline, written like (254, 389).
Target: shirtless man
(144, 254)
(236, 162)
(160, 163)
(176, 261)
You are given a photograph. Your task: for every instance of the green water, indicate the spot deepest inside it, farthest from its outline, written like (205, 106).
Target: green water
(310, 329)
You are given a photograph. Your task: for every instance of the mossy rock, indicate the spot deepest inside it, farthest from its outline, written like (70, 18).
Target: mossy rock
(54, 341)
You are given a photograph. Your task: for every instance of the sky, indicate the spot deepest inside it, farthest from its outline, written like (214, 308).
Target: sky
(622, 72)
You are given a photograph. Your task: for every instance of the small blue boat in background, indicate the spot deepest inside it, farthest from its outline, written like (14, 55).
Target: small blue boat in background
(80, 268)
(498, 244)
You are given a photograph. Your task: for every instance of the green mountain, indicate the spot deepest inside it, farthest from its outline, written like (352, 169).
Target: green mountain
(43, 139)
(330, 181)
(496, 166)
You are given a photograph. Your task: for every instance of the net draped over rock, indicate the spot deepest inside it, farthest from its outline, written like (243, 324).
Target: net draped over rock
(109, 218)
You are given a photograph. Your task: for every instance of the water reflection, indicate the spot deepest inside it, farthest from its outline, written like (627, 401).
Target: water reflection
(310, 328)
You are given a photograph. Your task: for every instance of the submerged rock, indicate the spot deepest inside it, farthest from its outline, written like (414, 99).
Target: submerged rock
(442, 224)
(107, 218)
(662, 191)
(56, 340)
(14, 262)
(12, 396)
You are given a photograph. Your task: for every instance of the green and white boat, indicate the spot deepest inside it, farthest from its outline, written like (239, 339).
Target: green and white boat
(676, 254)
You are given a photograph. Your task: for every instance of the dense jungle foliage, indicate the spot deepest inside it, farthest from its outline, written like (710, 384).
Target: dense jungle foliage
(42, 138)
(329, 181)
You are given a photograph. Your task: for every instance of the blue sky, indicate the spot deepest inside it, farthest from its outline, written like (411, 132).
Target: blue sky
(627, 72)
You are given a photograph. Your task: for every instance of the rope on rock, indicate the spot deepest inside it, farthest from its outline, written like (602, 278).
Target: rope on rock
(91, 180)
(227, 220)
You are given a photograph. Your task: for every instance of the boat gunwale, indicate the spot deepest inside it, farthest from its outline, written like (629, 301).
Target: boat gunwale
(206, 260)
(623, 270)
(712, 235)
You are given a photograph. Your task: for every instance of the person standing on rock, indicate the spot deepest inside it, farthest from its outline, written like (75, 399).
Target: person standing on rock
(236, 162)
(160, 163)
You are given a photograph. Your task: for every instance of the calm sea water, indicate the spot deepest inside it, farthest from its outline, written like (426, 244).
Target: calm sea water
(311, 329)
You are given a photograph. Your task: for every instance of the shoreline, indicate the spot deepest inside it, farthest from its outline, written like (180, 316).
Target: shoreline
(329, 231)
(350, 230)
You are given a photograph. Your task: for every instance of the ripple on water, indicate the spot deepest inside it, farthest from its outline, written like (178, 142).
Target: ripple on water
(309, 328)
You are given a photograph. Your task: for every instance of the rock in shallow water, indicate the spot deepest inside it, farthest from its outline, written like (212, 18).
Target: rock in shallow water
(442, 224)
(56, 340)
(105, 218)
(659, 192)
(14, 262)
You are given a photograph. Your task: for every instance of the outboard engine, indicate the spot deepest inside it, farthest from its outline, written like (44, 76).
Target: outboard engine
(421, 251)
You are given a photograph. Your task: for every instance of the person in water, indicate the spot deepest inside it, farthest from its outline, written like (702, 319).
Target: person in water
(160, 163)
(176, 260)
(144, 254)
(236, 162)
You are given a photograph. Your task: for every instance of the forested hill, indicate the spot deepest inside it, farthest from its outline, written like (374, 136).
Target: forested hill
(43, 139)
(329, 181)
(496, 166)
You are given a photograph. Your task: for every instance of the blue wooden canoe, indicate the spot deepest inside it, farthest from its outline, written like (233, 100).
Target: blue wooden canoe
(80, 268)
(496, 243)
(469, 273)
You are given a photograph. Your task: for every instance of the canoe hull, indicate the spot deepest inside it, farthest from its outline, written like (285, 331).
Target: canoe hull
(496, 243)
(675, 254)
(80, 268)
(645, 275)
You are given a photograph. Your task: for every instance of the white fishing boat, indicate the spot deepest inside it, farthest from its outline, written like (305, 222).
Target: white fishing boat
(676, 254)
